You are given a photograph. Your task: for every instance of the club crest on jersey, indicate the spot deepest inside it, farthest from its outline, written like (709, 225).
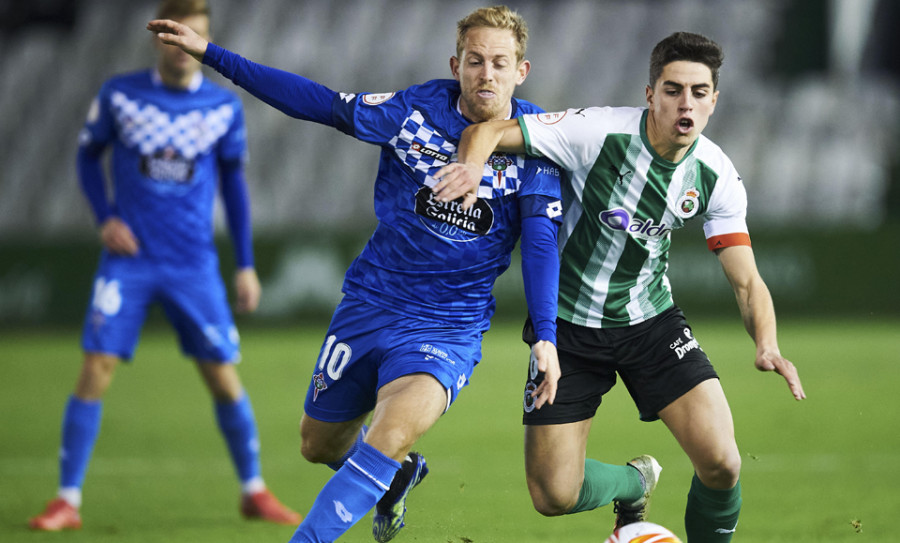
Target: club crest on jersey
(499, 163)
(376, 99)
(449, 220)
(619, 219)
(318, 384)
(167, 166)
(689, 204)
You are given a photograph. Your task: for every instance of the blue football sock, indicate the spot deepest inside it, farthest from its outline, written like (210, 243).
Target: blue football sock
(347, 496)
(360, 438)
(81, 425)
(238, 426)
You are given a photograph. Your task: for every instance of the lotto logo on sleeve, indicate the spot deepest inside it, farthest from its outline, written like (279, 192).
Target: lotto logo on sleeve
(554, 209)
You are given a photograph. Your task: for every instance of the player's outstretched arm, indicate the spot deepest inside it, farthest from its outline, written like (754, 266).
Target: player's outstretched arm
(758, 313)
(179, 35)
(477, 143)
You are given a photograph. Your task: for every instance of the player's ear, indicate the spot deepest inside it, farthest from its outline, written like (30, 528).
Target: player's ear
(524, 68)
(649, 94)
(454, 67)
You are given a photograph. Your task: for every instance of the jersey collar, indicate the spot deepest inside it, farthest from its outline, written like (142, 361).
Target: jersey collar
(193, 86)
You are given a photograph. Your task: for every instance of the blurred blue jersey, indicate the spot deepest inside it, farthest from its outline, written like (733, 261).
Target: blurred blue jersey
(167, 148)
(427, 258)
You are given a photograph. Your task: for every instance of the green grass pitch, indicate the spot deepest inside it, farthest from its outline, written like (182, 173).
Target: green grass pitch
(827, 469)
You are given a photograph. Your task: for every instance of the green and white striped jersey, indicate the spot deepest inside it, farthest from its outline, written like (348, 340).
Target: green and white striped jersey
(622, 201)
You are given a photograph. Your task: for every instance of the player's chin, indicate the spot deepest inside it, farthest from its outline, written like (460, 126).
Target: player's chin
(491, 111)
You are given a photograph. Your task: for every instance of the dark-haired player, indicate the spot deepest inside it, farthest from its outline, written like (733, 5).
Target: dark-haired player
(634, 175)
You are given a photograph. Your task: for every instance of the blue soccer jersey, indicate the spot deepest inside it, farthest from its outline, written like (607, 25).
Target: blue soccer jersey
(168, 147)
(427, 258)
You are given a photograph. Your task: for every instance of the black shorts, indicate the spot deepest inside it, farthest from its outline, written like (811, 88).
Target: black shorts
(659, 361)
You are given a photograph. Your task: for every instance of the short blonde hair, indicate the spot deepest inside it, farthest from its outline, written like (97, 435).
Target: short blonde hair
(179, 9)
(494, 17)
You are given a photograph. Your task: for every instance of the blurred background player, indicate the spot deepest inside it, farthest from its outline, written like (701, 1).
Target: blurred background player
(635, 175)
(407, 335)
(176, 137)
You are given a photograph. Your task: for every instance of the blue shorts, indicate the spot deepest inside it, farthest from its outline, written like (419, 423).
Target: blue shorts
(195, 302)
(367, 347)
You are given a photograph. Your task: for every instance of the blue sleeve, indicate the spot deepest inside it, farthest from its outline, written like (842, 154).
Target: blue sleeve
(233, 145)
(92, 181)
(290, 93)
(237, 210)
(540, 272)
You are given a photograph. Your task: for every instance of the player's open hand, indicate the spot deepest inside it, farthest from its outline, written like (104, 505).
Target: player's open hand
(179, 35)
(247, 289)
(769, 361)
(117, 237)
(548, 364)
(457, 180)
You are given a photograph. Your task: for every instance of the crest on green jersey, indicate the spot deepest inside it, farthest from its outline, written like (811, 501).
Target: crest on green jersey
(689, 204)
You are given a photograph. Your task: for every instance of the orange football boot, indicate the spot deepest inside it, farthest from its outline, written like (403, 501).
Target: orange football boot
(58, 515)
(263, 505)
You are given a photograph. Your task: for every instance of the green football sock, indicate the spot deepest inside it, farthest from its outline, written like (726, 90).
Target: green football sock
(711, 515)
(604, 483)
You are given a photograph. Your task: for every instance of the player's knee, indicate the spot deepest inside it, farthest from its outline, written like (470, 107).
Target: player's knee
(311, 454)
(316, 451)
(99, 365)
(320, 446)
(548, 502)
(550, 507)
(96, 375)
(721, 472)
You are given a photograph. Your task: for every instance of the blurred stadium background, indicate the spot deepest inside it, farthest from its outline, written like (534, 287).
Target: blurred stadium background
(808, 112)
